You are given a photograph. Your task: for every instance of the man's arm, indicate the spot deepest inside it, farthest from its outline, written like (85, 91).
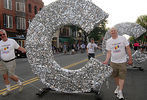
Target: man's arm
(99, 47)
(23, 50)
(129, 54)
(107, 57)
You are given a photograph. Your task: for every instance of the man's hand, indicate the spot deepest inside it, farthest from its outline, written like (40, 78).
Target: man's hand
(107, 57)
(130, 62)
(105, 62)
(99, 47)
(23, 50)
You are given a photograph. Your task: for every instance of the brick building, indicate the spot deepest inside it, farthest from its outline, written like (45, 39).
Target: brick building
(32, 8)
(16, 14)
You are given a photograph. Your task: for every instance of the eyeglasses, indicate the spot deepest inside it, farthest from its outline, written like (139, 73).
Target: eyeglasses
(2, 34)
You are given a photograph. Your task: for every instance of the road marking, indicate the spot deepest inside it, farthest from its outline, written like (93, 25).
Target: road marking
(36, 78)
(23, 83)
(74, 64)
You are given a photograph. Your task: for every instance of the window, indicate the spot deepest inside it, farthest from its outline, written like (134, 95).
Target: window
(8, 4)
(30, 8)
(64, 32)
(20, 6)
(8, 21)
(35, 9)
(20, 23)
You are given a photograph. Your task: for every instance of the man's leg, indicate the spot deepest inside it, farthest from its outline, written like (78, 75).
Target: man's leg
(115, 76)
(122, 75)
(14, 78)
(89, 56)
(117, 83)
(7, 83)
(5, 76)
(121, 84)
(4, 72)
(120, 93)
(11, 67)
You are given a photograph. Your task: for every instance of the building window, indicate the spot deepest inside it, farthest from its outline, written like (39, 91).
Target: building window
(8, 4)
(64, 32)
(20, 23)
(30, 8)
(8, 21)
(20, 6)
(35, 9)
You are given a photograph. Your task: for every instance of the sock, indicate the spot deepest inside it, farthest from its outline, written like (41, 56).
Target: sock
(117, 87)
(120, 91)
(19, 82)
(8, 87)
(120, 94)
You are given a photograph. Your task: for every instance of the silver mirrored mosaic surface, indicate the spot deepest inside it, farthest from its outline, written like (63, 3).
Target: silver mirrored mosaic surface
(138, 58)
(82, 13)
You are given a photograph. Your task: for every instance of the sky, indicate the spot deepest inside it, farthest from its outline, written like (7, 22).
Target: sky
(119, 10)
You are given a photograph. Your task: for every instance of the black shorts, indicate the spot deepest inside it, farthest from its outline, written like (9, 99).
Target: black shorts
(91, 55)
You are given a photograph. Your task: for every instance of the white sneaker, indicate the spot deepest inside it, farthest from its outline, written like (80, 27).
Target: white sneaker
(120, 95)
(20, 88)
(116, 91)
(6, 93)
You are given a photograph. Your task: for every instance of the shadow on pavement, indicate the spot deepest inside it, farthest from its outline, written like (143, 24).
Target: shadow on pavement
(53, 95)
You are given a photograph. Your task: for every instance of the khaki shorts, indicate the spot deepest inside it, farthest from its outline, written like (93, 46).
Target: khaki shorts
(119, 70)
(7, 67)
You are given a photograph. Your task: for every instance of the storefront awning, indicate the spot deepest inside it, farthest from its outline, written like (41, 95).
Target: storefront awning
(64, 40)
(17, 38)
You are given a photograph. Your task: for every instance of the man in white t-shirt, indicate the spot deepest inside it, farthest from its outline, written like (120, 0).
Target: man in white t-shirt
(91, 48)
(116, 48)
(8, 64)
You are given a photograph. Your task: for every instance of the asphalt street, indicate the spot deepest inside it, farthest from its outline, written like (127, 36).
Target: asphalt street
(135, 85)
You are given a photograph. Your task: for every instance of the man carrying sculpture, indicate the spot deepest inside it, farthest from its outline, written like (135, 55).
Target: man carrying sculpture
(116, 48)
(8, 64)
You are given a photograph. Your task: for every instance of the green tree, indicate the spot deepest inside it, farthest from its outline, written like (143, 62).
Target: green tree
(99, 31)
(142, 20)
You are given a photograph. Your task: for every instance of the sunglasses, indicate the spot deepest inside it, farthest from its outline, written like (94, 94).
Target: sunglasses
(2, 34)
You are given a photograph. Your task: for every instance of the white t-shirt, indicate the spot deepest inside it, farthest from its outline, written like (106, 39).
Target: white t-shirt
(117, 47)
(7, 49)
(91, 47)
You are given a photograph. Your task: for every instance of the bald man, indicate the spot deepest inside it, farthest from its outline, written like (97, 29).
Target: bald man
(116, 48)
(8, 64)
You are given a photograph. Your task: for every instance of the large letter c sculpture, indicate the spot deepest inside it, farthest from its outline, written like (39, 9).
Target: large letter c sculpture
(39, 46)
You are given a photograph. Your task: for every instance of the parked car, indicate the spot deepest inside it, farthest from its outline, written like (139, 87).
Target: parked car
(19, 54)
(21, 42)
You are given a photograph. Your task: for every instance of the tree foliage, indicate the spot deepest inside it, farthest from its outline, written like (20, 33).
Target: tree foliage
(99, 31)
(142, 20)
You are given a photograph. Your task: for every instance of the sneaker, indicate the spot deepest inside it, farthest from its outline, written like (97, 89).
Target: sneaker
(6, 93)
(120, 96)
(20, 88)
(43, 91)
(94, 91)
(116, 91)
